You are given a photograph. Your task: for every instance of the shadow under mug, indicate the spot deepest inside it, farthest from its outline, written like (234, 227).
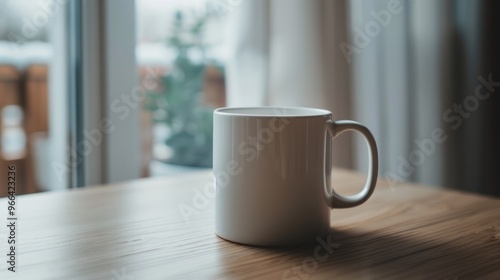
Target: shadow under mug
(272, 170)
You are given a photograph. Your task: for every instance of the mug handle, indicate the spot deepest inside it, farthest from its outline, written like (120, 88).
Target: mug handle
(333, 199)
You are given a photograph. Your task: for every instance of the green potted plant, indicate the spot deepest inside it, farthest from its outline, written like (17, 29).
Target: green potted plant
(189, 120)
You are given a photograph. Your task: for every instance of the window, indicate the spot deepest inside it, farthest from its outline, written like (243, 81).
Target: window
(52, 107)
(180, 54)
(26, 62)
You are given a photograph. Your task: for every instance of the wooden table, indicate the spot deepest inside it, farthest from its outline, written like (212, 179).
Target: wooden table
(135, 230)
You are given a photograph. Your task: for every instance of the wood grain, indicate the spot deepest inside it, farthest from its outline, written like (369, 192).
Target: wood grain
(135, 230)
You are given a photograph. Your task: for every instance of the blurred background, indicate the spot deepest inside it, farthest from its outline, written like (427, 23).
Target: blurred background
(94, 92)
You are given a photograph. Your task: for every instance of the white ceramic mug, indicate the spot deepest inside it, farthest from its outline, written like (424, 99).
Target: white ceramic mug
(272, 170)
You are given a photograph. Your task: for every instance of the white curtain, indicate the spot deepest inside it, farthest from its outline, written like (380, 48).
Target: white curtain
(396, 82)
(396, 66)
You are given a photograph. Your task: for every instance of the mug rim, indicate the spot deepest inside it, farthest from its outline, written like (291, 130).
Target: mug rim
(308, 112)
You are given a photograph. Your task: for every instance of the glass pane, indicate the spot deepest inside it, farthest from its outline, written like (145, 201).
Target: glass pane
(25, 60)
(180, 54)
